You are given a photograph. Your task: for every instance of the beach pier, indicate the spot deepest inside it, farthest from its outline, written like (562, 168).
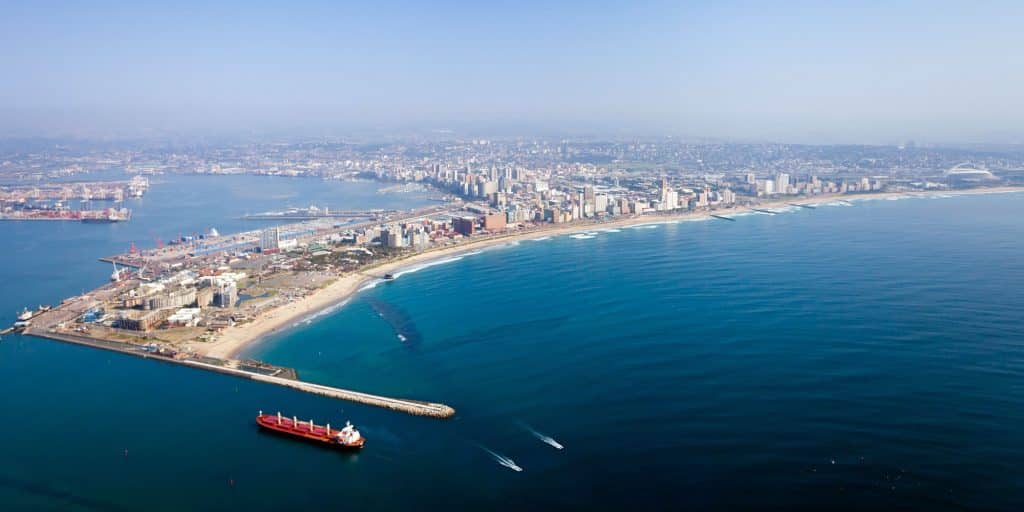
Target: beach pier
(723, 217)
(769, 212)
(808, 206)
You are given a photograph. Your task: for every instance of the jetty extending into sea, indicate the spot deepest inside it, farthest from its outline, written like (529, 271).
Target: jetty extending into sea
(252, 370)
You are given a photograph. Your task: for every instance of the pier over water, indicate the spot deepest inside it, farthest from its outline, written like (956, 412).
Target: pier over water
(265, 373)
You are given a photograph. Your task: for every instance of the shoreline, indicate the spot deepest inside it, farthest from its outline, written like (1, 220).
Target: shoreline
(236, 339)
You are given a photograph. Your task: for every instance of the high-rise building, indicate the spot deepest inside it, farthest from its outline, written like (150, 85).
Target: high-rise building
(624, 208)
(463, 225)
(225, 296)
(782, 183)
(702, 198)
(669, 196)
(270, 239)
(392, 237)
(494, 221)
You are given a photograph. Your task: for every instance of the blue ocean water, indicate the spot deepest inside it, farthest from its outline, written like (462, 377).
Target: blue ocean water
(837, 358)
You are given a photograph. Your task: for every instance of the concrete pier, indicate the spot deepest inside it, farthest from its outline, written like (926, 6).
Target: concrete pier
(280, 378)
(414, 407)
(809, 207)
(769, 212)
(723, 217)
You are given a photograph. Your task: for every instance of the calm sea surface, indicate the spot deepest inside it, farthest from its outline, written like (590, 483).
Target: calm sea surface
(844, 357)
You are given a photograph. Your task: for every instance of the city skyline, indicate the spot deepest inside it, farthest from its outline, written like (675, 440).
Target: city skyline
(795, 72)
(398, 255)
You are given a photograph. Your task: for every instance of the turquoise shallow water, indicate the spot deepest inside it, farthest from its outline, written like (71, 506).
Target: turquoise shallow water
(843, 357)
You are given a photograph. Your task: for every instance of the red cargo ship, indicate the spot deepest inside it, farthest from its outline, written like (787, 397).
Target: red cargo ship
(347, 438)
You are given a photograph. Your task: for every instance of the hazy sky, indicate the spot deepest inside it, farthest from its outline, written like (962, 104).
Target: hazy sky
(770, 70)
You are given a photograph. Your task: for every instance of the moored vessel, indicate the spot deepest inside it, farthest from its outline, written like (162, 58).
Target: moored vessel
(25, 315)
(345, 438)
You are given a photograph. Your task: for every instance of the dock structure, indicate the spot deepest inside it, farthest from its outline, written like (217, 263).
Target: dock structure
(124, 262)
(809, 207)
(723, 217)
(769, 212)
(270, 374)
(303, 215)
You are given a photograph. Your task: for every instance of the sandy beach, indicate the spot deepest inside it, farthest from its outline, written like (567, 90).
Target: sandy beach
(236, 338)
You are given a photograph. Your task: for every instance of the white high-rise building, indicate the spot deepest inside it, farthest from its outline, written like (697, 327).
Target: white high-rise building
(782, 183)
(702, 198)
(669, 196)
(270, 239)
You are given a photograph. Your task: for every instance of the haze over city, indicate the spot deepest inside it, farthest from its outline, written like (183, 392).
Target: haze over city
(798, 72)
(537, 255)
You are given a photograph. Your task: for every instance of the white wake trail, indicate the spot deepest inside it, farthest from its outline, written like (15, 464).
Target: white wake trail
(503, 460)
(550, 441)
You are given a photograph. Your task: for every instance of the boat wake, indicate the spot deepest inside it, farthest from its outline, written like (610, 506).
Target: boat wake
(548, 440)
(503, 460)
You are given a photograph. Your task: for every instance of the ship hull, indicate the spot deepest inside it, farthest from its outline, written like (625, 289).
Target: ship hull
(302, 431)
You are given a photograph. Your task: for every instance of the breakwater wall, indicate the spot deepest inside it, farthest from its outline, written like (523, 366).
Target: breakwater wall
(414, 407)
